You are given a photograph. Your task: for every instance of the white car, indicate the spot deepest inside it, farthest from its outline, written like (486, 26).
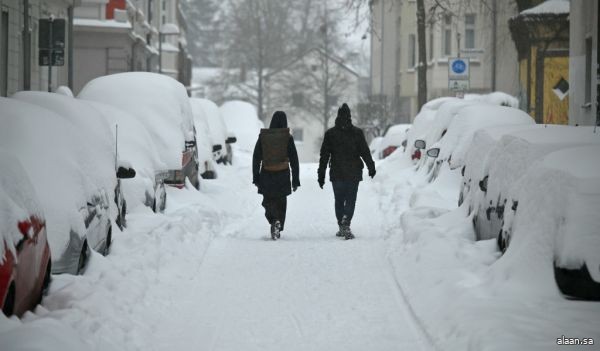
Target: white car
(221, 138)
(555, 226)
(74, 194)
(210, 144)
(421, 125)
(161, 105)
(241, 119)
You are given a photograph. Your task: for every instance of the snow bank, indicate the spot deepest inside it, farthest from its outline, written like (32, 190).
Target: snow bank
(18, 202)
(159, 102)
(242, 120)
(56, 172)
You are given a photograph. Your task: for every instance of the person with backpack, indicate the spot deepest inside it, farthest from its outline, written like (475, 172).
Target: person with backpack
(344, 149)
(274, 154)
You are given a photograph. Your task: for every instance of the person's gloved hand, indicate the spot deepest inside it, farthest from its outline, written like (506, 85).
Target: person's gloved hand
(372, 173)
(321, 183)
(294, 188)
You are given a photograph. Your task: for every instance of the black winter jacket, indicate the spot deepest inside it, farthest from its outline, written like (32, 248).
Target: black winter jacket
(276, 183)
(344, 148)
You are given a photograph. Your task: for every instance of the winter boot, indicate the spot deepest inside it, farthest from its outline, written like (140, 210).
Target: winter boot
(345, 226)
(340, 233)
(275, 230)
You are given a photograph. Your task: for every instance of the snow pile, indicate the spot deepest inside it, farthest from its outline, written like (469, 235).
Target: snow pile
(17, 202)
(241, 119)
(56, 172)
(159, 102)
(455, 143)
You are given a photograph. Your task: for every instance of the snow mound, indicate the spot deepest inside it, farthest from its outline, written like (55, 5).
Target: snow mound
(556, 7)
(241, 119)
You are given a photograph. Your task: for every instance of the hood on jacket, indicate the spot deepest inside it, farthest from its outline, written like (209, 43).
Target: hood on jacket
(344, 118)
(279, 120)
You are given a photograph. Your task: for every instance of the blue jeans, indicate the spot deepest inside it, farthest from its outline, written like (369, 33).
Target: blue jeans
(345, 199)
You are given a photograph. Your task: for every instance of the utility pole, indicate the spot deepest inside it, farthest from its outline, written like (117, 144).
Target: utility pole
(50, 53)
(382, 48)
(494, 41)
(71, 47)
(26, 47)
(422, 65)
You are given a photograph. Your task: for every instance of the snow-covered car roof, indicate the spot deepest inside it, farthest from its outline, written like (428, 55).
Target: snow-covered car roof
(216, 124)
(515, 152)
(18, 202)
(421, 125)
(52, 152)
(455, 144)
(241, 119)
(395, 135)
(204, 137)
(159, 102)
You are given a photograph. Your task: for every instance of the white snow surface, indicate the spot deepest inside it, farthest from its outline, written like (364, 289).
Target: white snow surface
(549, 7)
(241, 119)
(206, 276)
(18, 202)
(159, 102)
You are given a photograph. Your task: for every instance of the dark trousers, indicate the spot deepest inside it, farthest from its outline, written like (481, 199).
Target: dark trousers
(345, 199)
(275, 208)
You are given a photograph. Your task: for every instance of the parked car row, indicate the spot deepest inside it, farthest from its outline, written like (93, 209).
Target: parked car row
(523, 183)
(71, 166)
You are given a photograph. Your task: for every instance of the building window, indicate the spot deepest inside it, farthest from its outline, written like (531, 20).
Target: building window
(164, 5)
(412, 51)
(298, 99)
(470, 31)
(588, 70)
(298, 134)
(447, 36)
(164, 19)
(4, 54)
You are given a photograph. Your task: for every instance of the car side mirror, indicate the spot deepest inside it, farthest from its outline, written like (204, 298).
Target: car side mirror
(190, 144)
(231, 140)
(217, 147)
(434, 152)
(125, 173)
(483, 184)
(420, 144)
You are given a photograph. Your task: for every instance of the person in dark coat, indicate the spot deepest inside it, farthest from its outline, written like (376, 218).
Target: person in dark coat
(274, 154)
(344, 149)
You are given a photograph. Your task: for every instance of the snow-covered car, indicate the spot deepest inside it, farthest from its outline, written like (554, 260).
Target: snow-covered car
(420, 127)
(74, 193)
(210, 145)
(241, 119)
(25, 263)
(221, 138)
(509, 160)
(394, 138)
(96, 132)
(134, 145)
(476, 161)
(556, 220)
(375, 147)
(453, 146)
(161, 104)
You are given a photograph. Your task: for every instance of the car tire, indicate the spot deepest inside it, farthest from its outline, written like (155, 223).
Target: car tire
(9, 303)
(576, 283)
(83, 257)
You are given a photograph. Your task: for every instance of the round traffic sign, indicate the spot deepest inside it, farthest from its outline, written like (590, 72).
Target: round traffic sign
(459, 66)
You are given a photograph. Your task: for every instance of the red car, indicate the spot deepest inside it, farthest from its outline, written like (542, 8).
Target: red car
(25, 263)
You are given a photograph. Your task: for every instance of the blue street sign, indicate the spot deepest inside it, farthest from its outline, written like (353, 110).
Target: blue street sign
(459, 66)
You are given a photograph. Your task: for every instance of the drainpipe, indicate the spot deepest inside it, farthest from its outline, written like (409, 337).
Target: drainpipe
(382, 49)
(70, 49)
(494, 41)
(26, 47)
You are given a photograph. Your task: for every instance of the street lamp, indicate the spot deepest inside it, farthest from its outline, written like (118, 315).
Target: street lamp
(165, 30)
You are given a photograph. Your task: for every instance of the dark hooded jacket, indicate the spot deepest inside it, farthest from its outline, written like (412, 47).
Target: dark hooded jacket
(275, 183)
(344, 148)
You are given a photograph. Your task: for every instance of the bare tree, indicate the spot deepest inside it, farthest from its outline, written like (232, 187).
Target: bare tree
(422, 65)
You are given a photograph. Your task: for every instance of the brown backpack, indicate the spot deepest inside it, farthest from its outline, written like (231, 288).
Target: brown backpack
(274, 144)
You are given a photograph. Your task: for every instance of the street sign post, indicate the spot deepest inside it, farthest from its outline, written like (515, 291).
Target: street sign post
(51, 44)
(459, 70)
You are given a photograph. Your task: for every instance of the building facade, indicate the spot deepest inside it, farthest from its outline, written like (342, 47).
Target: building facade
(583, 62)
(19, 41)
(470, 29)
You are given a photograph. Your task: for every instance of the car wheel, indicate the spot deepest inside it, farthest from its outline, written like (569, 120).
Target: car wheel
(83, 257)
(9, 302)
